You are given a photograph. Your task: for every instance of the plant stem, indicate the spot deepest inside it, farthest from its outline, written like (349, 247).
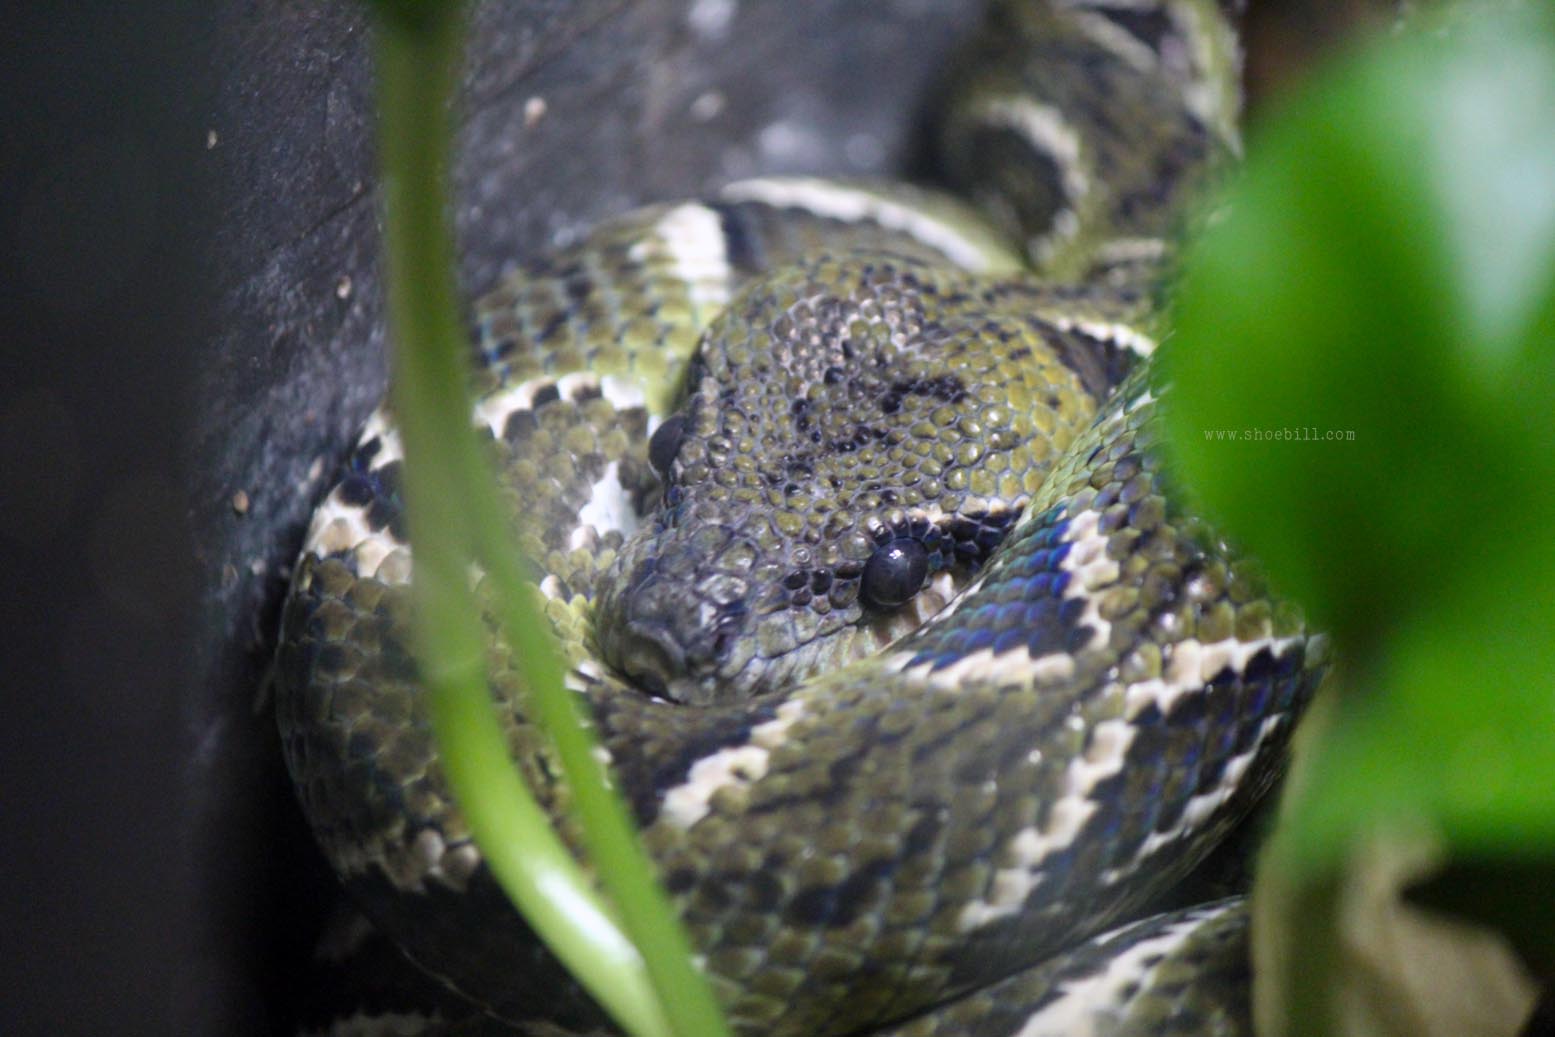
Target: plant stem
(456, 517)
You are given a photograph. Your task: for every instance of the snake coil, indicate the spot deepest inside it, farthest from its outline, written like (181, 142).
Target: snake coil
(913, 671)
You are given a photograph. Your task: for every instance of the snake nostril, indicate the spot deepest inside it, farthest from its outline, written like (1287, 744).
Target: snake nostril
(650, 656)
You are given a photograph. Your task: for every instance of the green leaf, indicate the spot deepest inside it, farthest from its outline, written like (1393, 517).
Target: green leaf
(1360, 288)
(1453, 721)
(1382, 284)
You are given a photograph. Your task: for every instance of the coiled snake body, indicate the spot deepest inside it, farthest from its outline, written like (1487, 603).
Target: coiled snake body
(914, 674)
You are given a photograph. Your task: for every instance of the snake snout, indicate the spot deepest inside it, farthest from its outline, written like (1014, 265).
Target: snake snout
(673, 637)
(651, 658)
(678, 660)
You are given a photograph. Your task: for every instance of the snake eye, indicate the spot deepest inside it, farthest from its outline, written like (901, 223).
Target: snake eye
(894, 573)
(664, 444)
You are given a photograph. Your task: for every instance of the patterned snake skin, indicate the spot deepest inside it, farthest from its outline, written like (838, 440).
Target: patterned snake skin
(915, 674)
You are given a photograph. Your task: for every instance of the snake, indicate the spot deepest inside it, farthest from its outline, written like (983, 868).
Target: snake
(846, 503)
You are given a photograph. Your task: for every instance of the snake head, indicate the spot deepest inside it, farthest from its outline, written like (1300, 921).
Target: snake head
(857, 439)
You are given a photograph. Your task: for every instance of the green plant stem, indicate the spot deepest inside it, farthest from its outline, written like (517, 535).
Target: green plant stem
(455, 516)
(625, 871)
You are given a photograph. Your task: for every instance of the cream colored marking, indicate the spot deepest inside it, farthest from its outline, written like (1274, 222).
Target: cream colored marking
(1089, 1004)
(1124, 335)
(622, 393)
(1090, 570)
(551, 586)
(609, 507)
(854, 205)
(1206, 96)
(431, 857)
(931, 601)
(955, 603)
(494, 410)
(740, 765)
(1200, 808)
(927, 606)
(458, 864)
(337, 527)
(498, 408)
(1045, 129)
(389, 447)
(407, 867)
(984, 666)
(428, 849)
(693, 237)
(1052, 668)
(1131, 250)
(1110, 36)
(944, 593)
(375, 554)
(1103, 757)
(1189, 665)
(341, 528)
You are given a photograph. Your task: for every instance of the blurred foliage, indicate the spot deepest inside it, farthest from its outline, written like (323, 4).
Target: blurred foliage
(1283, 39)
(1364, 395)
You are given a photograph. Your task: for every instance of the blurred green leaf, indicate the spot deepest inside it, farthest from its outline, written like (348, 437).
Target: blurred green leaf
(1453, 721)
(1364, 396)
(1358, 286)
(1386, 270)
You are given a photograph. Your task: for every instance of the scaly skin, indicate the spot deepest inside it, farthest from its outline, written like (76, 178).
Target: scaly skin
(862, 809)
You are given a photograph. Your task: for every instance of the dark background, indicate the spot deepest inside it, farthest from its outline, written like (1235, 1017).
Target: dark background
(190, 333)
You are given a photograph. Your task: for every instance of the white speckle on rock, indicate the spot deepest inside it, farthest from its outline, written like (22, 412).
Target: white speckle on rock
(707, 106)
(710, 19)
(534, 111)
(786, 141)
